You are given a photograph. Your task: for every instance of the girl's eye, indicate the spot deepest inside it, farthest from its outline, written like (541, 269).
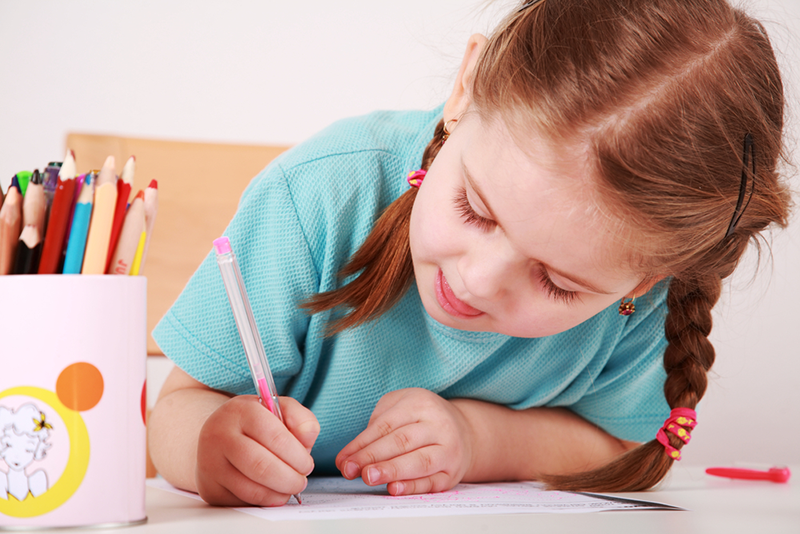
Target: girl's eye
(555, 292)
(468, 214)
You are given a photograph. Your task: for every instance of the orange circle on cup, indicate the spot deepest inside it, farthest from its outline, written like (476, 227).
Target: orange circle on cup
(80, 386)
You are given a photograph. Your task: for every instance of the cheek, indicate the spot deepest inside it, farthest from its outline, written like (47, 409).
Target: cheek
(430, 230)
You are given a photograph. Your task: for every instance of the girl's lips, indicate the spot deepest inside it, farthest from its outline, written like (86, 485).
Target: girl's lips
(449, 302)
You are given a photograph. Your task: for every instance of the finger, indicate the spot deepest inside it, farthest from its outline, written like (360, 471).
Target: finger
(261, 425)
(300, 421)
(232, 488)
(378, 429)
(264, 468)
(435, 483)
(420, 463)
(395, 445)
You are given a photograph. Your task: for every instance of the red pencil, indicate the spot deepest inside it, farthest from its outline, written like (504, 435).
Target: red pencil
(124, 185)
(59, 215)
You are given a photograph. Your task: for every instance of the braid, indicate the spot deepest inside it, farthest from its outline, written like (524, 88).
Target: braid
(687, 359)
(384, 261)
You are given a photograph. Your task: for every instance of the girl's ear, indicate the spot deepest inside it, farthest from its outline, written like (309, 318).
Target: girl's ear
(460, 98)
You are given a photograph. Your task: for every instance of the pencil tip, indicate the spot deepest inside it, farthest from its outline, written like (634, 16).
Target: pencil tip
(15, 181)
(153, 184)
(140, 194)
(36, 178)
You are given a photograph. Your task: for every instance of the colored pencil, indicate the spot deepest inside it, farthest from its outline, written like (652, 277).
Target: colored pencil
(80, 226)
(33, 212)
(53, 249)
(105, 200)
(23, 179)
(150, 211)
(50, 182)
(124, 185)
(131, 234)
(29, 249)
(10, 227)
(137, 259)
(2, 197)
(78, 185)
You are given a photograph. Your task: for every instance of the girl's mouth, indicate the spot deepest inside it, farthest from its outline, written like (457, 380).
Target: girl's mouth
(449, 302)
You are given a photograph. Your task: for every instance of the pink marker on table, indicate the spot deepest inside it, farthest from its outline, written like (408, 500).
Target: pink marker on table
(248, 331)
(774, 474)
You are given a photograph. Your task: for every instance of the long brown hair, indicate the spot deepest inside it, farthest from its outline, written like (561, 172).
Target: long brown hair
(661, 94)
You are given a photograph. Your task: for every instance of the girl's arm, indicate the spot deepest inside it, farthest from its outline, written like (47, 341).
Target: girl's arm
(418, 442)
(524, 444)
(229, 449)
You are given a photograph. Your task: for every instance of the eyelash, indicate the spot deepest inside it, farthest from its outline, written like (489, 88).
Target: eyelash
(468, 214)
(555, 292)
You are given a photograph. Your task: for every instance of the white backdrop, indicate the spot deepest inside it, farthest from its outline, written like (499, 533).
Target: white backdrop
(276, 72)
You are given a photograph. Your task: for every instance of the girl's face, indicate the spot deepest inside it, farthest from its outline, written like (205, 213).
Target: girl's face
(511, 241)
(18, 450)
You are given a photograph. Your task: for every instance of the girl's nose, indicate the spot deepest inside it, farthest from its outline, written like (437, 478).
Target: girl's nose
(488, 269)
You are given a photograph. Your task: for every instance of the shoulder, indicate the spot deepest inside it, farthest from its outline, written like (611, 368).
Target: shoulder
(391, 133)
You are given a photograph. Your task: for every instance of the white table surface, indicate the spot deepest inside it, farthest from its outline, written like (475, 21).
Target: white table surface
(715, 505)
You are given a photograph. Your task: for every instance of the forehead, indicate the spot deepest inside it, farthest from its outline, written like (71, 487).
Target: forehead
(546, 199)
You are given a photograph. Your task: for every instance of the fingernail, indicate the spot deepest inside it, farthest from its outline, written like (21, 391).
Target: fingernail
(399, 488)
(351, 470)
(373, 474)
(310, 470)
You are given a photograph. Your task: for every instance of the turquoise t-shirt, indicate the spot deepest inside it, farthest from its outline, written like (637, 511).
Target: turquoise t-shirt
(297, 224)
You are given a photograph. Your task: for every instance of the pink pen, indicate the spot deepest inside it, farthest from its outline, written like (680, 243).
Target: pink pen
(775, 474)
(248, 331)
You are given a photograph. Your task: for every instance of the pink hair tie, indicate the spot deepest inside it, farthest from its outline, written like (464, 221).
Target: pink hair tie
(678, 419)
(415, 178)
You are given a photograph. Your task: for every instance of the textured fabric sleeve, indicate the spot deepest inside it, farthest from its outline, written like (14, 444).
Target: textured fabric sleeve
(627, 397)
(199, 333)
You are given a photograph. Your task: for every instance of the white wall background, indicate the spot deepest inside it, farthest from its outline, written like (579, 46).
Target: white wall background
(272, 71)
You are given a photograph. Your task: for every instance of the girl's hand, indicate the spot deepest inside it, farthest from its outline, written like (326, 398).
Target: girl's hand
(245, 455)
(416, 442)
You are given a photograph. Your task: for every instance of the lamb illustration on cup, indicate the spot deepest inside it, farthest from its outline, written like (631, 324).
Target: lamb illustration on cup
(23, 439)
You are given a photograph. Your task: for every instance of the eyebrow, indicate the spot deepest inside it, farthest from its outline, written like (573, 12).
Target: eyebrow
(572, 278)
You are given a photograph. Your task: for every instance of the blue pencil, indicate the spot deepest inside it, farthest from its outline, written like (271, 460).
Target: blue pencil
(80, 228)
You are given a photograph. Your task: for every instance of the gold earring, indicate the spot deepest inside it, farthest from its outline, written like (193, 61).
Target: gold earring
(447, 131)
(627, 308)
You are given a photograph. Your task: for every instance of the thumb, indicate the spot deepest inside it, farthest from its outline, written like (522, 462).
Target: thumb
(300, 421)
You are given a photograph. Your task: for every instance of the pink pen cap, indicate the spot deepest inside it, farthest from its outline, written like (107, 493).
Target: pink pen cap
(222, 245)
(774, 474)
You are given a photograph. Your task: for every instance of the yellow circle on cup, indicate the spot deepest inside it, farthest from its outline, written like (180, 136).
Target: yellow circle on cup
(77, 463)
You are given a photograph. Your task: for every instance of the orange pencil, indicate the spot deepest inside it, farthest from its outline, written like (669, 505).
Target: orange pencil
(105, 200)
(129, 237)
(124, 185)
(10, 227)
(29, 247)
(150, 211)
(53, 249)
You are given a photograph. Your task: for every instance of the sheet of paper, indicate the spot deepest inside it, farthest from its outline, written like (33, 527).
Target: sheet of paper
(337, 498)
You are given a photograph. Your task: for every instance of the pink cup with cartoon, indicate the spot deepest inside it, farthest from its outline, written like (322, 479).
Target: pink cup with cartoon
(72, 398)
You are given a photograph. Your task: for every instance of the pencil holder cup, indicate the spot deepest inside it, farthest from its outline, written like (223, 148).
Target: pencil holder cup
(72, 400)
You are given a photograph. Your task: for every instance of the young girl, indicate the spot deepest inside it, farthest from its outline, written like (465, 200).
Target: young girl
(534, 306)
